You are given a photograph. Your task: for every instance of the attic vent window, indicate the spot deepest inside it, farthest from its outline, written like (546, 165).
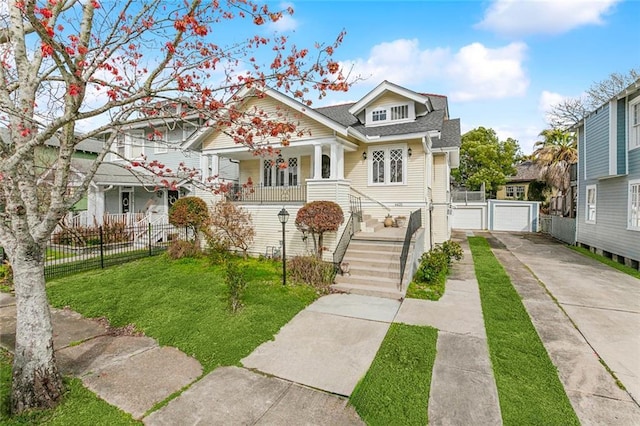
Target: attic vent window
(379, 115)
(400, 112)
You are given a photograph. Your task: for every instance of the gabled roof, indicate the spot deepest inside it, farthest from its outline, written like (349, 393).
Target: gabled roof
(386, 86)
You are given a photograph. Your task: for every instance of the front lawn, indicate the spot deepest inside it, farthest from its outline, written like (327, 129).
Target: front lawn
(183, 304)
(529, 389)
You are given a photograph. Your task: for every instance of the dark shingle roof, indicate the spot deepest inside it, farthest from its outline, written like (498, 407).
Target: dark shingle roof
(450, 134)
(526, 171)
(435, 120)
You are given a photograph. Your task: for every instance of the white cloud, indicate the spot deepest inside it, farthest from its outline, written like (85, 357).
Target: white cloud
(548, 100)
(286, 23)
(518, 18)
(474, 72)
(478, 72)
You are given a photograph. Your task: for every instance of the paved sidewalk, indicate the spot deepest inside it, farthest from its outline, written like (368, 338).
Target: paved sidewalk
(132, 373)
(604, 305)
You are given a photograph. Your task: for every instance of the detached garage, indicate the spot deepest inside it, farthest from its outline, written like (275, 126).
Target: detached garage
(469, 216)
(517, 216)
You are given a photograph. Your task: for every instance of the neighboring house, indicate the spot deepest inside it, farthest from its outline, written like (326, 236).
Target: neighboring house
(391, 152)
(161, 140)
(517, 186)
(608, 218)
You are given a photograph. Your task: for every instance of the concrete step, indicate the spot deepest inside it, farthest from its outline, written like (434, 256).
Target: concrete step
(372, 256)
(372, 270)
(365, 290)
(364, 264)
(368, 280)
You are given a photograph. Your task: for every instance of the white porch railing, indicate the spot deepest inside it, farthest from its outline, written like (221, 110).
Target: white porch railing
(84, 219)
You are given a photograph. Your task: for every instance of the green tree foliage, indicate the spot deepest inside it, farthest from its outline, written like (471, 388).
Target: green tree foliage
(318, 217)
(486, 159)
(189, 212)
(555, 154)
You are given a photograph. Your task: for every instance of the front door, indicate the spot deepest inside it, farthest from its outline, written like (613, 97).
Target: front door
(126, 201)
(172, 197)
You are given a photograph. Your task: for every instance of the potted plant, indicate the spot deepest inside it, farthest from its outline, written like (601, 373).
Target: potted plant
(388, 221)
(401, 221)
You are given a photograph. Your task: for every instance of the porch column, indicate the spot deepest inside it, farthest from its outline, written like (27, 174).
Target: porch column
(214, 162)
(317, 161)
(337, 162)
(204, 167)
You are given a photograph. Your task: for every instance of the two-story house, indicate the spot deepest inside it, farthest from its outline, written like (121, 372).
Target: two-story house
(608, 217)
(391, 153)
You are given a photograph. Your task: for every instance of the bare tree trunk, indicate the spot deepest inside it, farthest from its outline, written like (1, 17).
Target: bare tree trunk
(37, 383)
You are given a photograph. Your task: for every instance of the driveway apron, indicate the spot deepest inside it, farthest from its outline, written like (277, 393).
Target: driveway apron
(596, 312)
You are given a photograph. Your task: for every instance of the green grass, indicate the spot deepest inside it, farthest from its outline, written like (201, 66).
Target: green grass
(428, 290)
(57, 254)
(80, 406)
(620, 267)
(529, 389)
(395, 390)
(183, 304)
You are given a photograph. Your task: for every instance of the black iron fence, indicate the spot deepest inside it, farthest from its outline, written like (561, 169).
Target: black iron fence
(73, 250)
(259, 194)
(415, 222)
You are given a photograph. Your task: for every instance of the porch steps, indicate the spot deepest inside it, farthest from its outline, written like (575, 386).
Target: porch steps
(370, 224)
(374, 262)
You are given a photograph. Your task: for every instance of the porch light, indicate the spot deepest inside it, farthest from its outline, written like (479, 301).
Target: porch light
(364, 155)
(409, 152)
(283, 217)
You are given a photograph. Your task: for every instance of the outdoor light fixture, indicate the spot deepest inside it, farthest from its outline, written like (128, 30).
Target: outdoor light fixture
(283, 217)
(364, 155)
(409, 152)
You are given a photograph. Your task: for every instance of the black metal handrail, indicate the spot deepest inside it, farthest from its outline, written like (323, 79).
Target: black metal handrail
(267, 194)
(356, 206)
(343, 243)
(415, 222)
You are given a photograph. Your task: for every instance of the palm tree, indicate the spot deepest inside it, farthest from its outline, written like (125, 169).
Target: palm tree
(555, 154)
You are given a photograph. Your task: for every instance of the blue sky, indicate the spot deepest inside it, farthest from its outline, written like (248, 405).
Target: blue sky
(500, 62)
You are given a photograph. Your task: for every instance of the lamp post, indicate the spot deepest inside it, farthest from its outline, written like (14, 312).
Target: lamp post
(283, 217)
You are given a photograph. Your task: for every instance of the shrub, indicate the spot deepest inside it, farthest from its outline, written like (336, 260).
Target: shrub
(231, 226)
(318, 217)
(178, 249)
(6, 274)
(217, 250)
(83, 236)
(452, 250)
(433, 264)
(236, 284)
(191, 213)
(312, 271)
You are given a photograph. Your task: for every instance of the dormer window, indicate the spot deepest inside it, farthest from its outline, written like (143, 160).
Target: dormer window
(390, 114)
(400, 112)
(379, 115)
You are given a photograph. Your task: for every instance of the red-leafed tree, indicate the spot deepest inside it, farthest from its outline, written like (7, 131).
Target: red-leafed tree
(66, 62)
(318, 217)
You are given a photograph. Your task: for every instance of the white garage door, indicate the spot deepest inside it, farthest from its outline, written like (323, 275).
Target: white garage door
(511, 218)
(468, 218)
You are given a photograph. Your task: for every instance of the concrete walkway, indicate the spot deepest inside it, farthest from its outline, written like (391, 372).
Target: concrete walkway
(597, 315)
(463, 389)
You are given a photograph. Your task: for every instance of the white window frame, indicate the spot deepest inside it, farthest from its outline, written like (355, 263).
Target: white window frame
(274, 171)
(591, 207)
(634, 124)
(389, 111)
(387, 164)
(515, 190)
(634, 205)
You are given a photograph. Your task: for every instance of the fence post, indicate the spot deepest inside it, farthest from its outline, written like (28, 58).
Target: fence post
(101, 249)
(150, 251)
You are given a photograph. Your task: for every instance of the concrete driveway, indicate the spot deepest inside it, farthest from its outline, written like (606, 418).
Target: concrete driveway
(604, 304)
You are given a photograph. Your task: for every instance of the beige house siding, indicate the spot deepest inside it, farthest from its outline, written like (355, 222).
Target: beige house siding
(388, 99)
(312, 129)
(439, 215)
(501, 193)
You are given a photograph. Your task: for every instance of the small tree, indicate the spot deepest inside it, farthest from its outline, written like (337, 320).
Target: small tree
(191, 213)
(232, 226)
(318, 217)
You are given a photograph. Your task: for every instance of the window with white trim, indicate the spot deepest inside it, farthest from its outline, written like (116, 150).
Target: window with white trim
(591, 204)
(379, 115)
(514, 191)
(634, 205)
(388, 165)
(119, 146)
(634, 124)
(280, 171)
